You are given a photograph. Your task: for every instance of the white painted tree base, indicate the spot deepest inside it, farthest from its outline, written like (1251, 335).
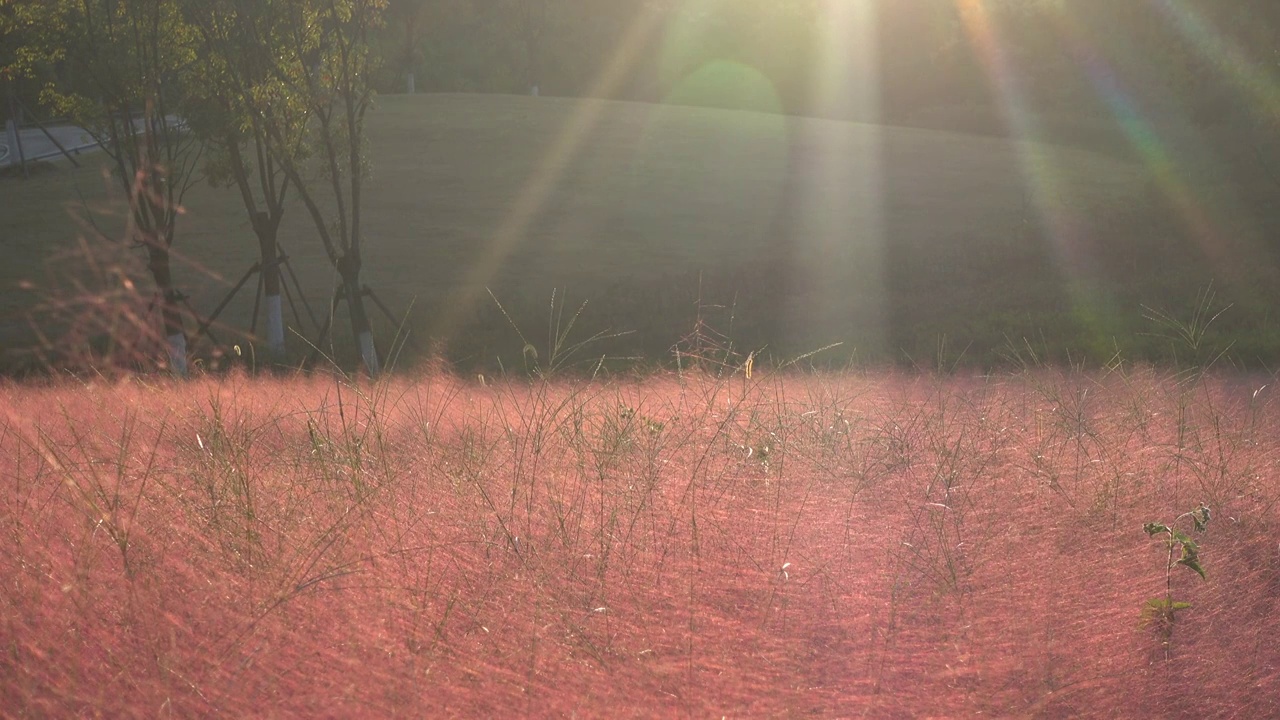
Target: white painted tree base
(369, 353)
(275, 326)
(178, 354)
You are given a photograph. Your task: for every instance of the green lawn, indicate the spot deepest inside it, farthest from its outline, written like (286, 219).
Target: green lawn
(887, 239)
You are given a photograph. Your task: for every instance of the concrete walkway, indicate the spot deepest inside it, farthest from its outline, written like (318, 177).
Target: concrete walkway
(37, 146)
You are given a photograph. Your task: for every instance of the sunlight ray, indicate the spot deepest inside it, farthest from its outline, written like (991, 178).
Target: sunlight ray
(533, 195)
(1225, 56)
(1145, 140)
(1046, 191)
(839, 195)
(1091, 304)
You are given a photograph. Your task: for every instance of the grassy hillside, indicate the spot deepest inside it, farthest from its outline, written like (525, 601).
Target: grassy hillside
(887, 239)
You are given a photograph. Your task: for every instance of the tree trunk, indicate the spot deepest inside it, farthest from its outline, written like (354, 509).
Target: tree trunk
(349, 269)
(265, 229)
(409, 86)
(174, 333)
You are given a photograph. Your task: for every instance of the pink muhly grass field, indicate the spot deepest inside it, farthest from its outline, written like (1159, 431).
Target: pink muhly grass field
(834, 545)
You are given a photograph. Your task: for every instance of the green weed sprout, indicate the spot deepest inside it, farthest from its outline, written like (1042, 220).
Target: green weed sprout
(1161, 612)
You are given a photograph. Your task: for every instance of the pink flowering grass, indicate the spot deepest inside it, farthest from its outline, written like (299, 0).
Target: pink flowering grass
(875, 545)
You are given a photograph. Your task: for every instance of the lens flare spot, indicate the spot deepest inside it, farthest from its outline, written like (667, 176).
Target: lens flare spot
(726, 84)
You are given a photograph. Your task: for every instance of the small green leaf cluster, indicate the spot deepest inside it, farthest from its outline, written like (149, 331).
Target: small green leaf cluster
(1189, 555)
(1161, 612)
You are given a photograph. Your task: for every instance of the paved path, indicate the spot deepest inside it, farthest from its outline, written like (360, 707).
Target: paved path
(37, 146)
